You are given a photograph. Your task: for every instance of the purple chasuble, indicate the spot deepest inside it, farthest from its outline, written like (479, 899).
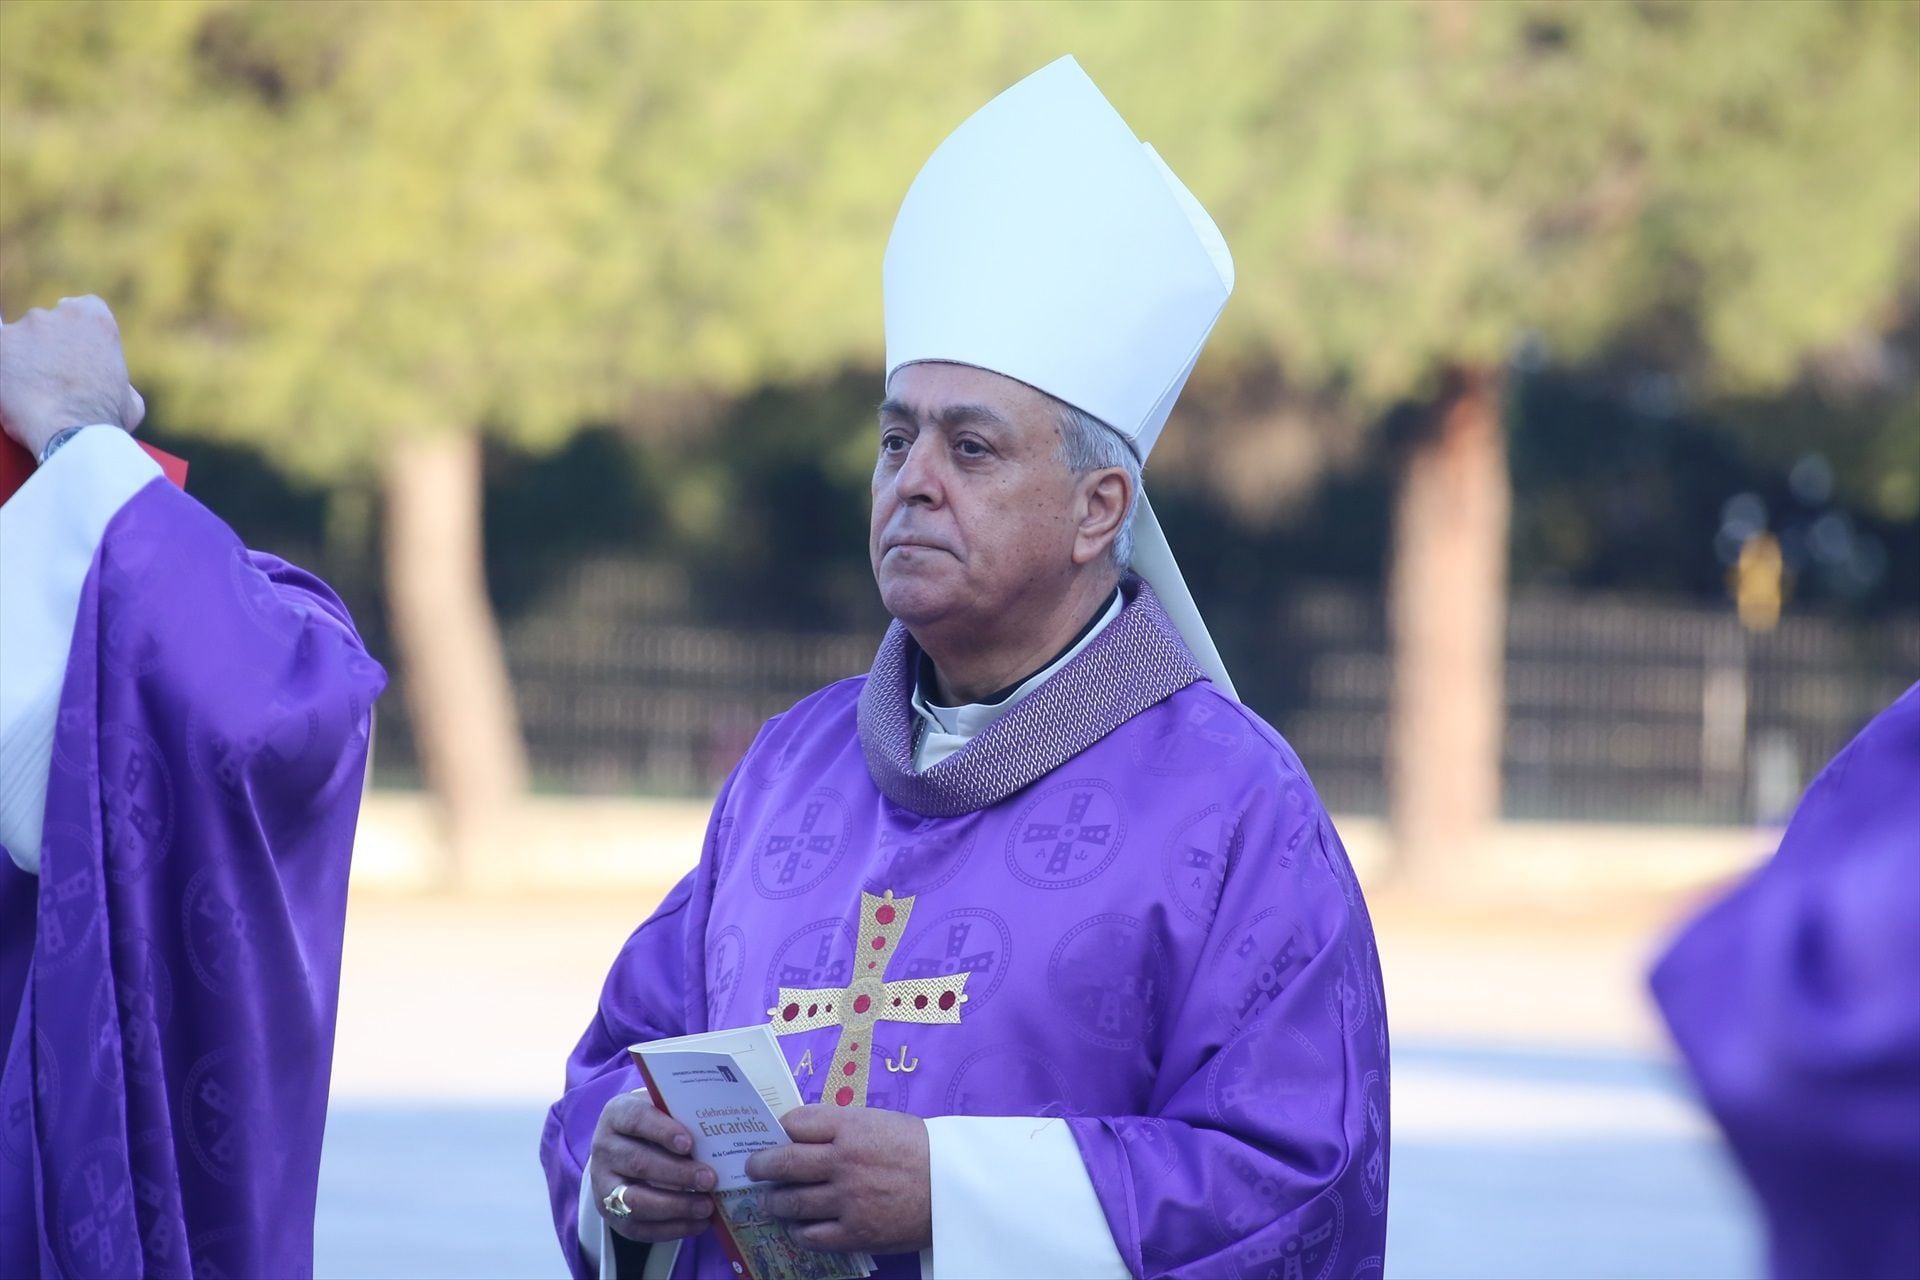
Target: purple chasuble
(1796, 1000)
(169, 979)
(1122, 904)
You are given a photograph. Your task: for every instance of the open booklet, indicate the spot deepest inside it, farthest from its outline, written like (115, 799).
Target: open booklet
(730, 1088)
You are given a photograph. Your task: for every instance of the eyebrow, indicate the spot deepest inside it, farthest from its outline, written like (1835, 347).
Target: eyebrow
(953, 415)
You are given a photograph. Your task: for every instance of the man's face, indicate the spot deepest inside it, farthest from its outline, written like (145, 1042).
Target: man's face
(973, 508)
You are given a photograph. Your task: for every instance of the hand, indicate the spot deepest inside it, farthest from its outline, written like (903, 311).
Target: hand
(855, 1178)
(640, 1147)
(64, 368)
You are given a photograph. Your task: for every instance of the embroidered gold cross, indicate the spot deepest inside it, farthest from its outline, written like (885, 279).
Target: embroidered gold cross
(868, 999)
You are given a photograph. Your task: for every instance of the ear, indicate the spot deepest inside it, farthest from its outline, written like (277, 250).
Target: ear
(1100, 508)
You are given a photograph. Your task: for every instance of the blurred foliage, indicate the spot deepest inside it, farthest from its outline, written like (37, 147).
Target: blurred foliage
(324, 224)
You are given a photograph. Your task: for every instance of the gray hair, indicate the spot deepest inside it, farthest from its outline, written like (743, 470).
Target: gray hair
(1088, 444)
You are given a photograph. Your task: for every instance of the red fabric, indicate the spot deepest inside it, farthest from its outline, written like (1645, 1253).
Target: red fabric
(16, 464)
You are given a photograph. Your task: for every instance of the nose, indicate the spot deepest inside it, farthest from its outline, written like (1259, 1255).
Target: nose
(918, 481)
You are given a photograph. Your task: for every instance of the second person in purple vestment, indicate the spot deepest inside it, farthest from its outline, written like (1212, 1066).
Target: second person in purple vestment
(184, 727)
(1055, 934)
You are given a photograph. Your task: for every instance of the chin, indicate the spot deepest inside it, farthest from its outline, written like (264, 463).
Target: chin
(914, 599)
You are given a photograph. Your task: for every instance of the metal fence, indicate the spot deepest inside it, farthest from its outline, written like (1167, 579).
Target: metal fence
(1617, 709)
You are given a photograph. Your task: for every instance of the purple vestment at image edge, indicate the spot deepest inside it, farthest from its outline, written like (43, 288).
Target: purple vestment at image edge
(1796, 1001)
(1166, 947)
(169, 981)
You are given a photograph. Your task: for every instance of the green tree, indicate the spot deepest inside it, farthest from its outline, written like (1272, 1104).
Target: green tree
(1738, 184)
(363, 235)
(354, 235)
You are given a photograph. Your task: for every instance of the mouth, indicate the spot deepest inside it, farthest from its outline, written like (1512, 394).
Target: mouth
(913, 544)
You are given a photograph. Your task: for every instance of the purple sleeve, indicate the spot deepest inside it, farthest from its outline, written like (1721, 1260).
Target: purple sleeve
(1796, 1002)
(656, 989)
(1265, 1148)
(206, 779)
(302, 591)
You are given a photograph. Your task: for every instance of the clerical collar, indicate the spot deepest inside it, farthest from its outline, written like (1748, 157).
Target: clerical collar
(944, 730)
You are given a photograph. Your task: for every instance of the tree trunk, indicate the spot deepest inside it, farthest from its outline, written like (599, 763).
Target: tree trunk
(465, 728)
(1447, 606)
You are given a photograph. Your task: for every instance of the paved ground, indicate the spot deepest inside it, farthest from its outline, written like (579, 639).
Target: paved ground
(1539, 1129)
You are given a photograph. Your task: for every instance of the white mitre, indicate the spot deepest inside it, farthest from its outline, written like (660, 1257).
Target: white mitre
(1045, 242)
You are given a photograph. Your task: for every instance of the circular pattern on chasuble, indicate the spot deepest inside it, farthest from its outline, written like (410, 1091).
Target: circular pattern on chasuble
(128, 572)
(1259, 961)
(1008, 1079)
(815, 955)
(281, 742)
(775, 758)
(1277, 1081)
(281, 618)
(801, 845)
(216, 930)
(136, 790)
(1108, 976)
(1308, 1253)
(968, 940)
(1346, 1001)
(298, 748)
(216, 1114)
(916, 854)
(1198, 854)
(128, 1017)
(1067, 835)
(69, 896)
(1185, 737)
(726, 954)
(16, 1137)
(1149, 1143)
(96, 1207)
(1372, 1147)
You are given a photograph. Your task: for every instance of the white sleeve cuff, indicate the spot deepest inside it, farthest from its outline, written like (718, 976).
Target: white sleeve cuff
(592, 1229)
(596, 1240)
(1011, 1199)
(49, 531)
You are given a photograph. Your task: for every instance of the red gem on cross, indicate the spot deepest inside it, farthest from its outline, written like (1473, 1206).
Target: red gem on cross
(861, 1004)
(845, 1096)
(879, 942)
(791, 1012)
(946, 999)
(919, 1002)
(849, 1069)
(884, 915)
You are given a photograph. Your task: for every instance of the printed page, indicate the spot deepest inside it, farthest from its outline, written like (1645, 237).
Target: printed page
(754, 1050)
(711, 1094)
(730, 1088)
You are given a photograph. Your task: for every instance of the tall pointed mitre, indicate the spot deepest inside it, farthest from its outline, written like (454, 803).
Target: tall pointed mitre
(1045, 242)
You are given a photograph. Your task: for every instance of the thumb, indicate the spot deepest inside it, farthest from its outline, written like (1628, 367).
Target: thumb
(136, 410)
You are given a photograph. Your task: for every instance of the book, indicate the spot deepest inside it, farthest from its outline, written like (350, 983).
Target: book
(730, 1088)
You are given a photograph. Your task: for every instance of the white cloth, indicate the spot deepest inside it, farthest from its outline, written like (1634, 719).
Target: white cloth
(1012, 1199)
(596, 1239)
(50, 530)
(1043, 241)
(944, 730)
